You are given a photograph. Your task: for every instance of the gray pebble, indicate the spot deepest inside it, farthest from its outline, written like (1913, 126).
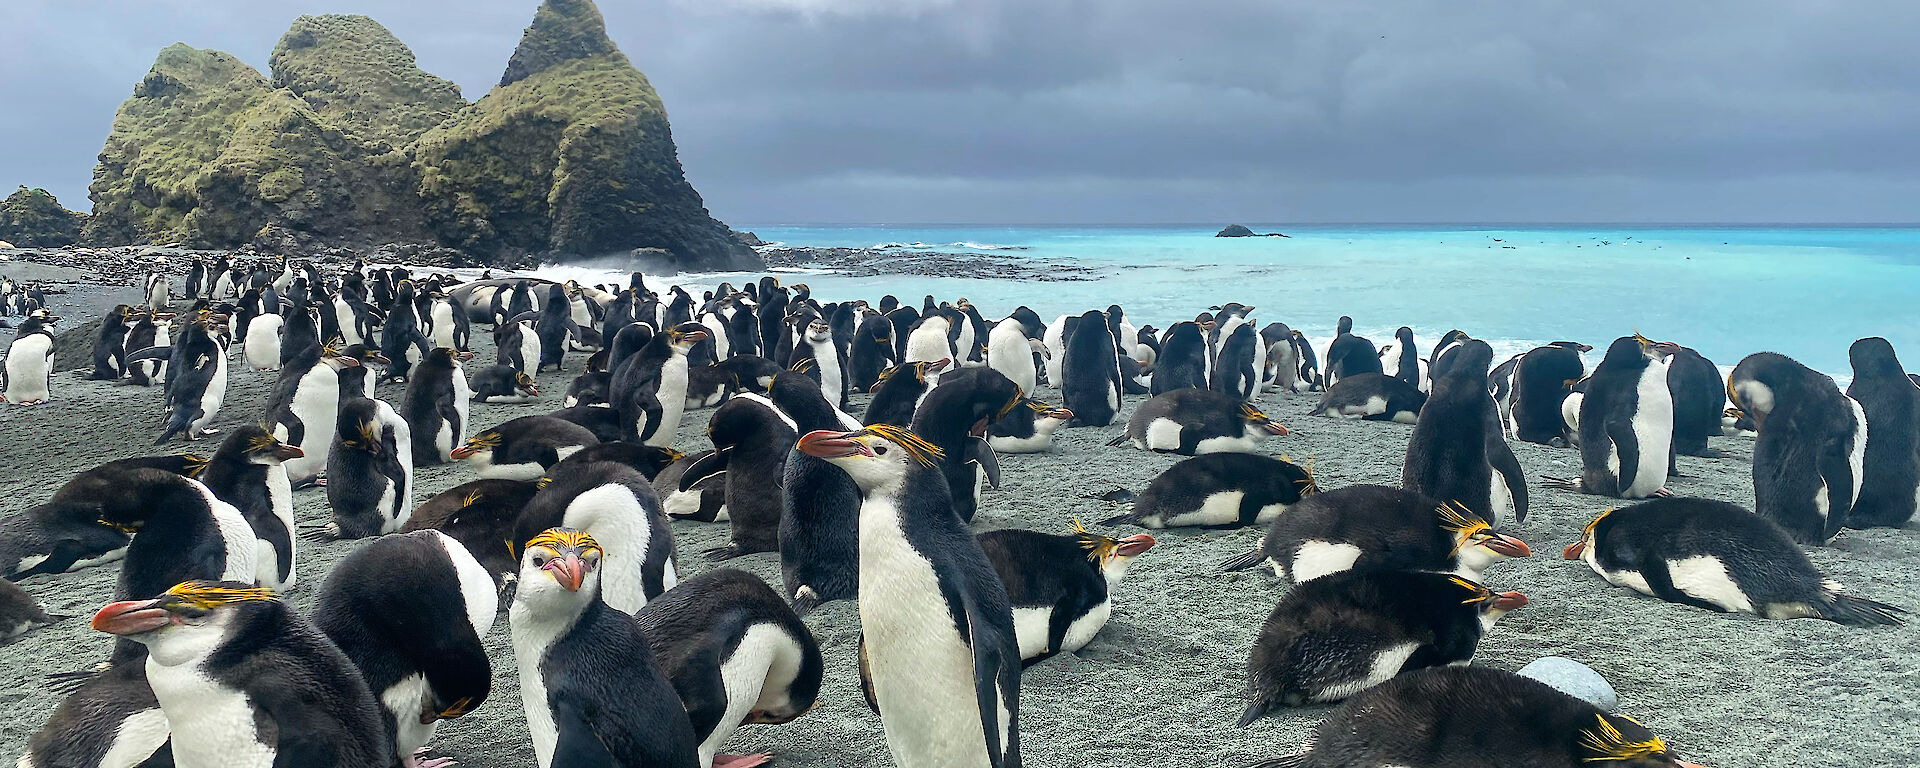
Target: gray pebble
(1574, 679)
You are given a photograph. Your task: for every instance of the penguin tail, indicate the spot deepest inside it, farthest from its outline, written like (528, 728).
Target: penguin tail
(805, 600)
(1290, 761)
(68, 682)
(1255, 711)
(1118, 440)
(1858, 611)
(176, 424)
(1244, 561)
(1118, 519)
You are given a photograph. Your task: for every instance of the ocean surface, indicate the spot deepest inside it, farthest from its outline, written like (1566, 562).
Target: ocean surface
(1807, 292)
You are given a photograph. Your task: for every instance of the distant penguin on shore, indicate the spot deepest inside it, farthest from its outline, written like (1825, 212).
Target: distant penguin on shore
(1891, 466)
(1348, 355)
(29, 363)
(1699, 399)
(1458, 452)
(1183, 362)
(1539, 384)
(1809, 460)
(109, 347)
(1090, 383)
(1401, 359)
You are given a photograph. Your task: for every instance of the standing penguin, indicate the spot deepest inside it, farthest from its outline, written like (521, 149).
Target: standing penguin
(1061, 587)
(247, 683)
(1454, 717)
(1810, 458)
(820, 505)
(1457, 451)
(554, 326)
(593, 692)
(616, 505)
(1541, 380)
(1626, 425)
(954, 419)
(369, 471)
(751, 437)
(869, 353)
(1372, 527)
(263, 342)
(436, 406)
(1241, 360)
(736, 655)
(1197, 421)
(899, 391)
(1183, 359)
(1090, 373)
(1401, 359)
(649, 390)
(29, 363)
(1220, 490)
(517, 345)
(109, 345)
(1718, 556)
(196, 379)
(403, 338)
(249, 473)
(146, 332)
(1891, 465)
(1331, 638)
(1699, 398)
(937, 628)
(409, 611)
(304, 407)
(1348, 354)
(1010, 352)
(829, 363)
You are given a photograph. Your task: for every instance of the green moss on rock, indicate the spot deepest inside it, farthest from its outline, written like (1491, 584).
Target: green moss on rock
(33, 218)
(360, 78)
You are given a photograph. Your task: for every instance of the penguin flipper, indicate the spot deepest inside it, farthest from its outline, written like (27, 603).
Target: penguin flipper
(980, 452)
(710, 465)
(866, 678)
(151, 353)
(697, 680)
(996, 683)
(1500, 455)
(578, 743)
(1621, 434)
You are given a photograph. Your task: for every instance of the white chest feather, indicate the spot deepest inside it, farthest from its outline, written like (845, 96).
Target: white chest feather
(1704, 577)
(532, 636)
(1163, 434)
(1653, 431)
(212, 725)
(673, 400)
(1320, 558)
(615, 518)
(405, 700)
(922, 670)
(138, 737)
(756, 676)
(316, 403)
(280, 492)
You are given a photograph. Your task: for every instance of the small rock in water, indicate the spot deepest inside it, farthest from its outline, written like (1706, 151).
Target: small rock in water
(1574, 679)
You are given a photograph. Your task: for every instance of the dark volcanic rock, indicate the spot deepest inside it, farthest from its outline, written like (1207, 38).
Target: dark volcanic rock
(1236, 230)
(32, 218)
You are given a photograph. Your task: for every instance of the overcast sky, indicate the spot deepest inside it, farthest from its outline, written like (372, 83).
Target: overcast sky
(1145, 111)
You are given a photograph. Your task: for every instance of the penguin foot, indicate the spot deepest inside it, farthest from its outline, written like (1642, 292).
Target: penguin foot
(741, 761)
(1661, 494)
(415, 760)
(728, 552)
(1562, 483)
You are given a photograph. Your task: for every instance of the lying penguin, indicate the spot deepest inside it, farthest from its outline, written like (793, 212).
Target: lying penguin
(1028, 428)
(503, 384)
(1450, 717)
(1221, 490)
(1061, 586)
(1372, 526)
(1718, 556)
(1197, 421)
(524, 448)
(1372, 397)
(1334, 637)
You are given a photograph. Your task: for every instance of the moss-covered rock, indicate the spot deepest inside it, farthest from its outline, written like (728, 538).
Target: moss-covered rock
(570, 154)
(32, 218)
(360, 78)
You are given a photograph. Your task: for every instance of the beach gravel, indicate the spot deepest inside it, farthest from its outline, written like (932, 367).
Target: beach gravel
(1162, 684)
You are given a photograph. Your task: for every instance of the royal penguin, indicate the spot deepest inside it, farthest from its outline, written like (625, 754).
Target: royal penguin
(523, 448)
(1090, 384)
(1349, 355)
(617, 506)
(603, 422)
(67, 532)
(938, 643)
(1539, 384)
(1454, 717)
(503, 384)
(436, 406)
(19, 613)
(354, 379)
(954, 418)
(300, 332)
(1334, 637)
(1625, 424)
(1891, 466)
(649, 390)
(1220, 490)
(148, 330)
(1400, 359)
(751, 437)
(1718, 556)
(263, 342)
(705, 500)
(1197, 421)
(29, 363)
(736, 655)
(1283, 361)
(517, 345)
(249, 472)
(870, 353)
(1699, 398)
(593, 692)
(749, 373)
(369, 471)
(554, 326)
(1366, 527)
(1371, 397)
(1061, 587)
(409, 611)
(648, 460)
(1240, 361)
(1010, 351)
(1458, 451)
(480, 515)
(1183, 361)
(196, 379)
(828, 366)
(819, 503)
(1809, 460)
(403, 337)
(109, 345)
(591, 388)
(305, 406)
(245, 682)
(932, 339)
(1310, 375)
(1028, 428)
(899, 391)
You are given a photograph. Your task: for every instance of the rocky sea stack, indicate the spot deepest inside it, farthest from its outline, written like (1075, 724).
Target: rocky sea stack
(350, 143)
(32, 218)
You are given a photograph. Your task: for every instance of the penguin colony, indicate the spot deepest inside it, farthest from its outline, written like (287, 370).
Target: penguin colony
(567, 522)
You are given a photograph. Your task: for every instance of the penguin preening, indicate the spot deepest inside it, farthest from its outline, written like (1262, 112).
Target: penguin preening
(938, 640)
(369, 471)
(523, 448)
(615, 505)
(1457, 451)
(593, 692)
(899, 391)
(248, 472)
(1375, 527)
(1451, 717)
(954, 418)
(1372, 397)
(1810, 457)
(1718, 556)
(1331, 638)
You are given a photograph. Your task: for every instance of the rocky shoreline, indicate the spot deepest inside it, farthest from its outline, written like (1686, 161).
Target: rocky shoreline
(872, 262)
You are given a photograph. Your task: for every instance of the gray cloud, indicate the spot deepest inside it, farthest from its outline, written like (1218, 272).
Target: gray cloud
(1149, 110)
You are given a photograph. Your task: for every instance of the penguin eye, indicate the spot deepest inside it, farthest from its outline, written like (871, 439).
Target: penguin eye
(880, 450)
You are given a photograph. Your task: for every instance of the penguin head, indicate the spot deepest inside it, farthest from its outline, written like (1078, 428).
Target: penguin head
(1047, 418)
(187, 621)
(1111, 555)
(1306, 483)
(524, 386)
(1585, 548)
(819, 331)
(879, 457)
(682, 337)
(360, 431)
(258, 446)
(1257, 419)
(1874, 356)
(559, 567)
(1491, 605)
(362, 354)
(1474, 541)
(479, 445)
(1618, 741)
(1628, 352)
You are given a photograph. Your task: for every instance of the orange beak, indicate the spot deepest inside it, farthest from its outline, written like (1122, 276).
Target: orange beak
(568, 570)
(131, 617)
(1573, 551)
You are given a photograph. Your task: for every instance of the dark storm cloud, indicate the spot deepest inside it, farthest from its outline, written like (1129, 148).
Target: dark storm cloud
(1150, 111)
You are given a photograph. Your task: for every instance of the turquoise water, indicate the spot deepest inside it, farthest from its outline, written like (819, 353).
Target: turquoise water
(1806, 292)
